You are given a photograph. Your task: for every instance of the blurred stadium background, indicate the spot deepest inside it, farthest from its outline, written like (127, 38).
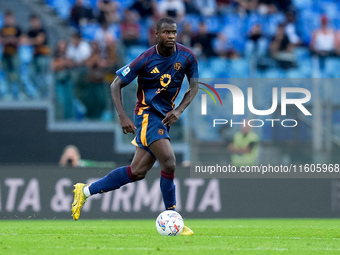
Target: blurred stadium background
(54, 91)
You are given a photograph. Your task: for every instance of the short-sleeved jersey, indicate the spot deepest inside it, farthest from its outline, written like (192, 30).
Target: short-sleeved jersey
(159, 78)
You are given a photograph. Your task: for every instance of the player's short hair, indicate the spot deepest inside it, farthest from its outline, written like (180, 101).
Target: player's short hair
(165, 20)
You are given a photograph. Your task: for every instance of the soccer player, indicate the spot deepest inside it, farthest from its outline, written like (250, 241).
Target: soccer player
(160, 70)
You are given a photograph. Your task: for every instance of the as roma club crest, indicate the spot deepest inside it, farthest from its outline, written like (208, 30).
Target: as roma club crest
(161, 131)
(177, 66)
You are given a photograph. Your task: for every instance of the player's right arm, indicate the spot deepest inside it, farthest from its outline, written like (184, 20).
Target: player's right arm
(125, 76)
(116, 93)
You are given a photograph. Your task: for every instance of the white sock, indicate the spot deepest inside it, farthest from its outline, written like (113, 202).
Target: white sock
(87, 191)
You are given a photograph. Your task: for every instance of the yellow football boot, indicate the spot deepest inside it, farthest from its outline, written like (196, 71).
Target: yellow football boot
(79, 200)
(187, 231)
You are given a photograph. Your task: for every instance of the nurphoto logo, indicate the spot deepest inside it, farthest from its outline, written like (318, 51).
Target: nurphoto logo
(239, 99)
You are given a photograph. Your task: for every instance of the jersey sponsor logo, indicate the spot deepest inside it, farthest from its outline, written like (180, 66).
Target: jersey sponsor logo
(155, 70)
(126, 71)
(165, 80)
(177, 66)
(161, 131)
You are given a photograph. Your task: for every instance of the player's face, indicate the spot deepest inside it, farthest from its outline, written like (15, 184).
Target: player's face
(167, 35)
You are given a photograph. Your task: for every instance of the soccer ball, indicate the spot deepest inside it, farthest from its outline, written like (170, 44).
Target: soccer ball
(169, 223)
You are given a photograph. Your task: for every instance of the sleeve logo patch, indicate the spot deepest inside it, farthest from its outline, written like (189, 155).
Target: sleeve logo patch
(126, 71)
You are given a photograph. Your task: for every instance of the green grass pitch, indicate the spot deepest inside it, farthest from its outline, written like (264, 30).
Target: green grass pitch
(267, 236)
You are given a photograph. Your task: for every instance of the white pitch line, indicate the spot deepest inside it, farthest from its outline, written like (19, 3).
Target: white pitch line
(198, 248)
(196, 236)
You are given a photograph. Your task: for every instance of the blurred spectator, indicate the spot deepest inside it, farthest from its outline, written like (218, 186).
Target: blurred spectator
(71, 158)
(130, 28)
(266, 7)
(93, 95)
(151, 34)
(224, 6)
(108, 11)
(291, 28)
(186, 35)
(172, 8)
(244, 148)
(202, 42)
(256, 44)
(25, 52)
(284, 5)
(78, 51)
(223, 48)
(41, 60)
(63, 85)
(145, 8)
(282, 50)
(206, 7)
(190, 7)
(107, 44)
(337, 43)
(322, 42)
(245, 6)
(80, 14)
(10, 35)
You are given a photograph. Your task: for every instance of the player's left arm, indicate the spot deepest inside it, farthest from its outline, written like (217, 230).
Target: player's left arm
(192, 74)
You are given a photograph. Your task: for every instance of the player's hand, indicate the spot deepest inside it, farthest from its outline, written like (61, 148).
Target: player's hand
(127, 125)
(171, 118)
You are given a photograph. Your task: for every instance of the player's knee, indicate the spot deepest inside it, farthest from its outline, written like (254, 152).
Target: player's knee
(139, 174)
(169, 165)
